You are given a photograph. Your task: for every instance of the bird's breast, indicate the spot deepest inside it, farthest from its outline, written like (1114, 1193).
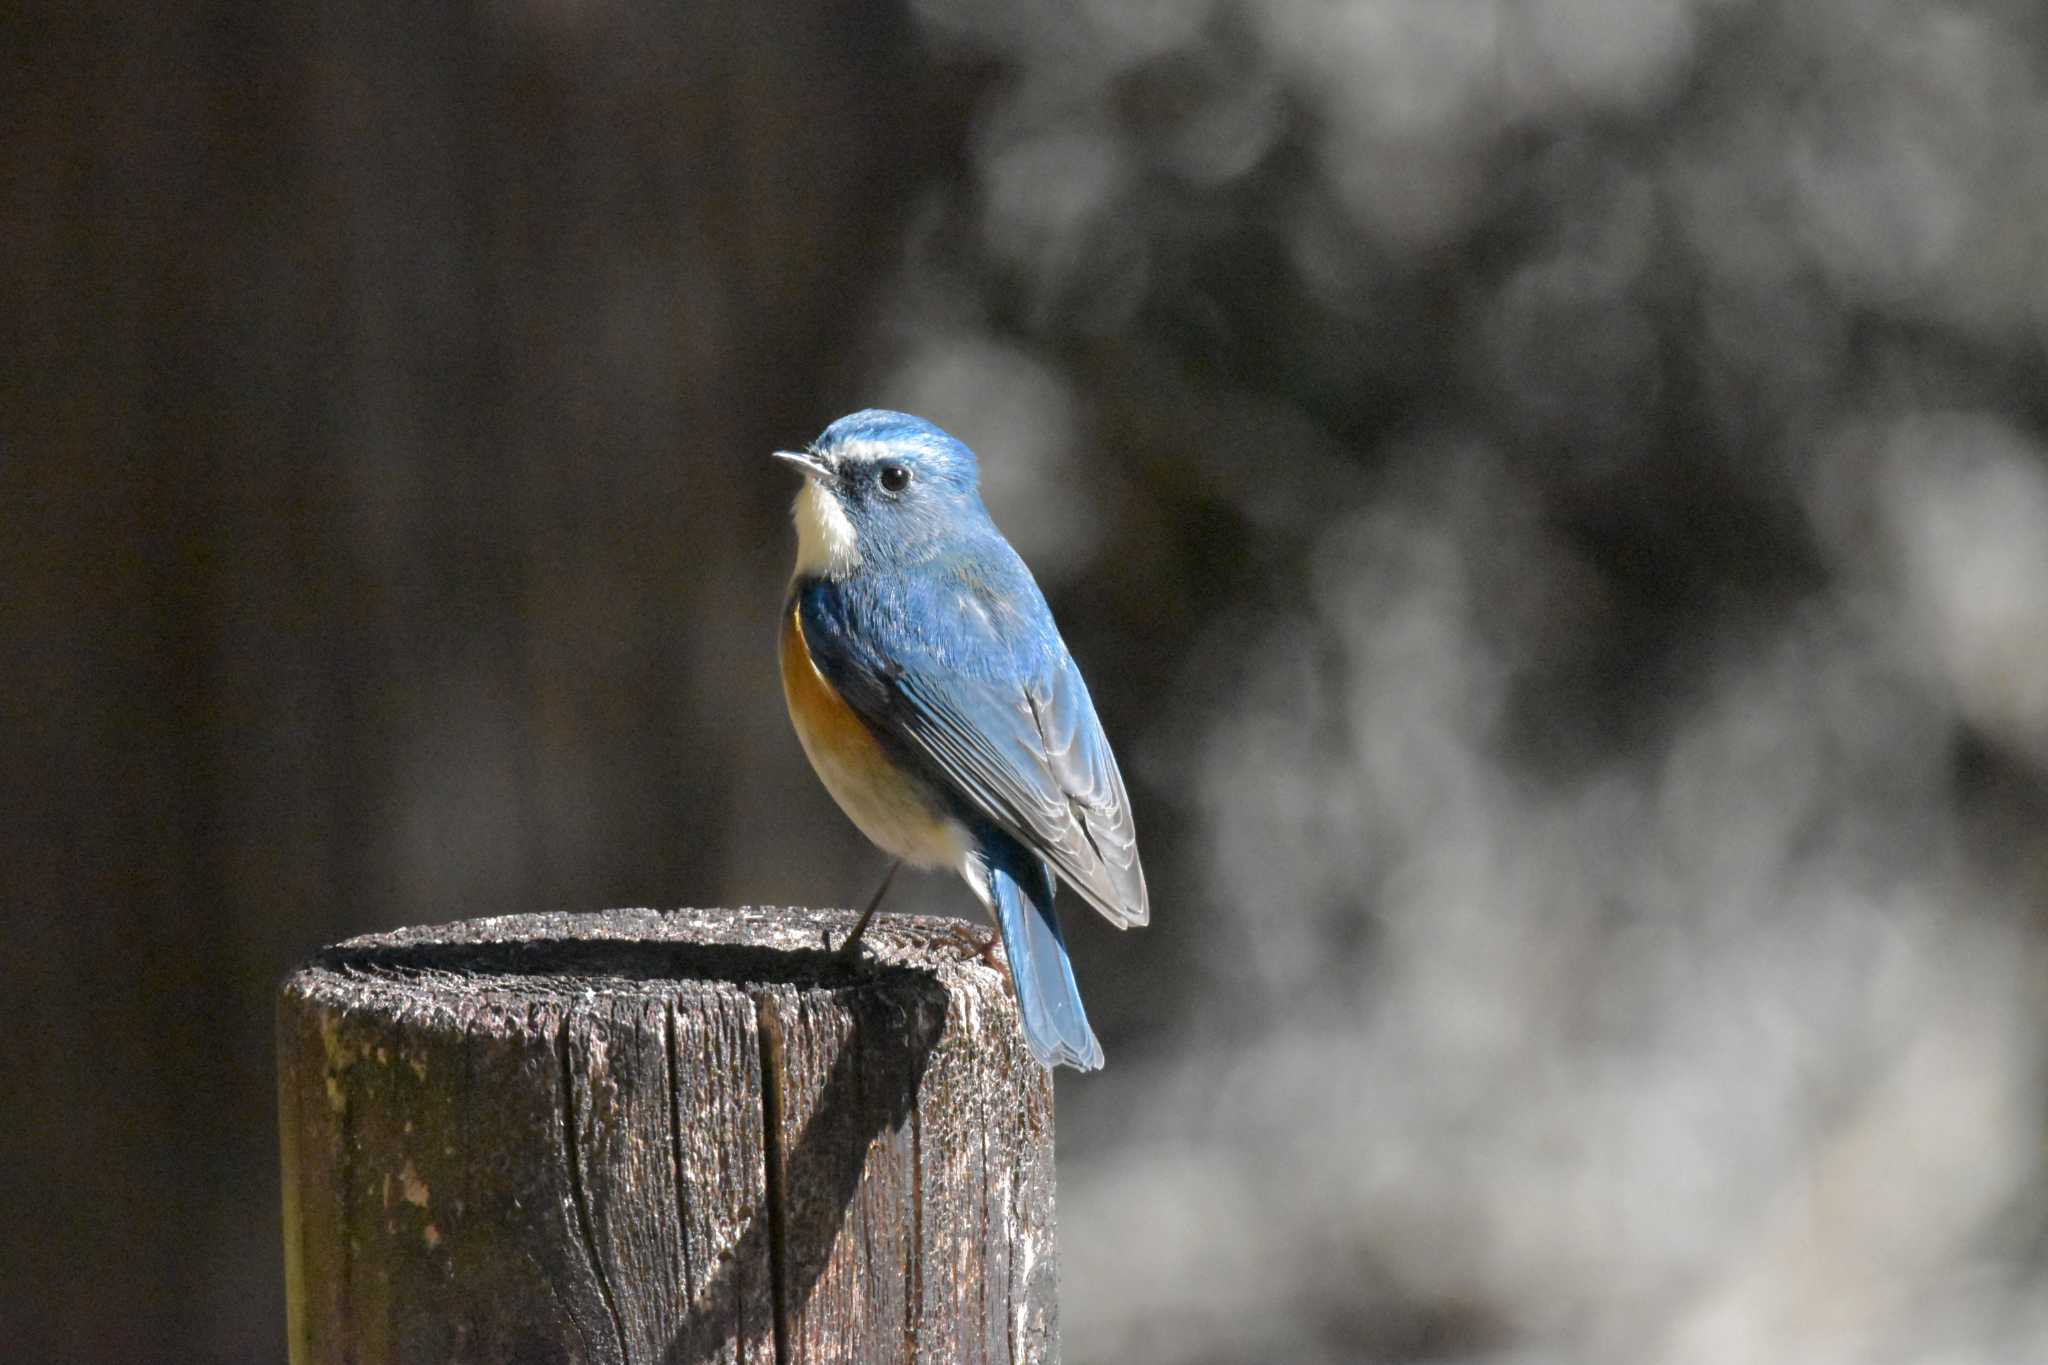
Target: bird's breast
(895, 809)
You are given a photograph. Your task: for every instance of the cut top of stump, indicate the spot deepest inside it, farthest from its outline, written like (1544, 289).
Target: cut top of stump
(692, 1135)
(623, 952)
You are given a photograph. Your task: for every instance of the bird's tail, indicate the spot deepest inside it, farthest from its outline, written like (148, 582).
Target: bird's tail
(1019, 889)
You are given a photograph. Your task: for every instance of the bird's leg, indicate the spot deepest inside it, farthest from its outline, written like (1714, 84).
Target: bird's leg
(850, 950)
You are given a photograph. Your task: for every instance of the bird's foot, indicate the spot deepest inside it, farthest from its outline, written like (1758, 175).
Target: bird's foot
(850, 952)
(971, 944)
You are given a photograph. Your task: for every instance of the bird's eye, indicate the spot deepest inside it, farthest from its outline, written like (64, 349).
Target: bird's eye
(895, 478)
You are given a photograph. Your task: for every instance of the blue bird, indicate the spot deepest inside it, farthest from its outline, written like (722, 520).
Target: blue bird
(938, 704)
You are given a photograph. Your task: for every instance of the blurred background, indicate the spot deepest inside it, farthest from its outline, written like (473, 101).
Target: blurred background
(1551, 497)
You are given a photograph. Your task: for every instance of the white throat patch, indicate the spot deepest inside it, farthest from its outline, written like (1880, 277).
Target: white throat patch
(825, 541)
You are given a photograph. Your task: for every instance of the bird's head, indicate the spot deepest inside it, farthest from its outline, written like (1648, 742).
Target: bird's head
(882, 489)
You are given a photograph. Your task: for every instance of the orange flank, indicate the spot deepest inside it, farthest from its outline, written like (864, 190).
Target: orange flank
(899, 815)
(824, 722)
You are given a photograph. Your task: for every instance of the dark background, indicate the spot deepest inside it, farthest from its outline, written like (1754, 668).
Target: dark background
(1551, 497)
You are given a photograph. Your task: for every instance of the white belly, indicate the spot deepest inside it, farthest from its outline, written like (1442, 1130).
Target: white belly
(892, 812)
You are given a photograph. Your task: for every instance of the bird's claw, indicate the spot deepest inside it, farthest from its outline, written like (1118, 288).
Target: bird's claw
(972, 945)
(851, 953)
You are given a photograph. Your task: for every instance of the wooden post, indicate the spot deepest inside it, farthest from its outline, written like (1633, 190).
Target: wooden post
(663, 1137)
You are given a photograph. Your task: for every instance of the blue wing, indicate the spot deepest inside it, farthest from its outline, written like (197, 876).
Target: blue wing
(961, 667)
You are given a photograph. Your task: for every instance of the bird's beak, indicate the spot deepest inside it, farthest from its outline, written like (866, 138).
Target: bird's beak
(814, 465)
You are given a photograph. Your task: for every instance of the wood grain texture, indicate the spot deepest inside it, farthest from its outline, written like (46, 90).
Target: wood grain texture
(663, 1137)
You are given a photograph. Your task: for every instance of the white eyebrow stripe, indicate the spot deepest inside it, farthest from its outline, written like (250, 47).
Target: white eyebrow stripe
(864, 452)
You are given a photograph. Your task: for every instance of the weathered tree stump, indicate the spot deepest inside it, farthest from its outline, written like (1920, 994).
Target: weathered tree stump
(662, 1137)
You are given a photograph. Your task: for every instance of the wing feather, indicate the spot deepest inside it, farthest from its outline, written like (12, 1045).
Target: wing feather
(1035, 760)
(1020, 744)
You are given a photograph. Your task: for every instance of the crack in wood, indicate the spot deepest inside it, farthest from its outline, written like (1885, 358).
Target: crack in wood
(675, 1153)
(768, 1020)
(1014, 1319)
(981, 1281)
(347, 1164)
(913, 1274)
(585, 1226)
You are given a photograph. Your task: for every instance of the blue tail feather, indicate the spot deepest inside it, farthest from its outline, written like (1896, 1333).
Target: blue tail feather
(1020, 892)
